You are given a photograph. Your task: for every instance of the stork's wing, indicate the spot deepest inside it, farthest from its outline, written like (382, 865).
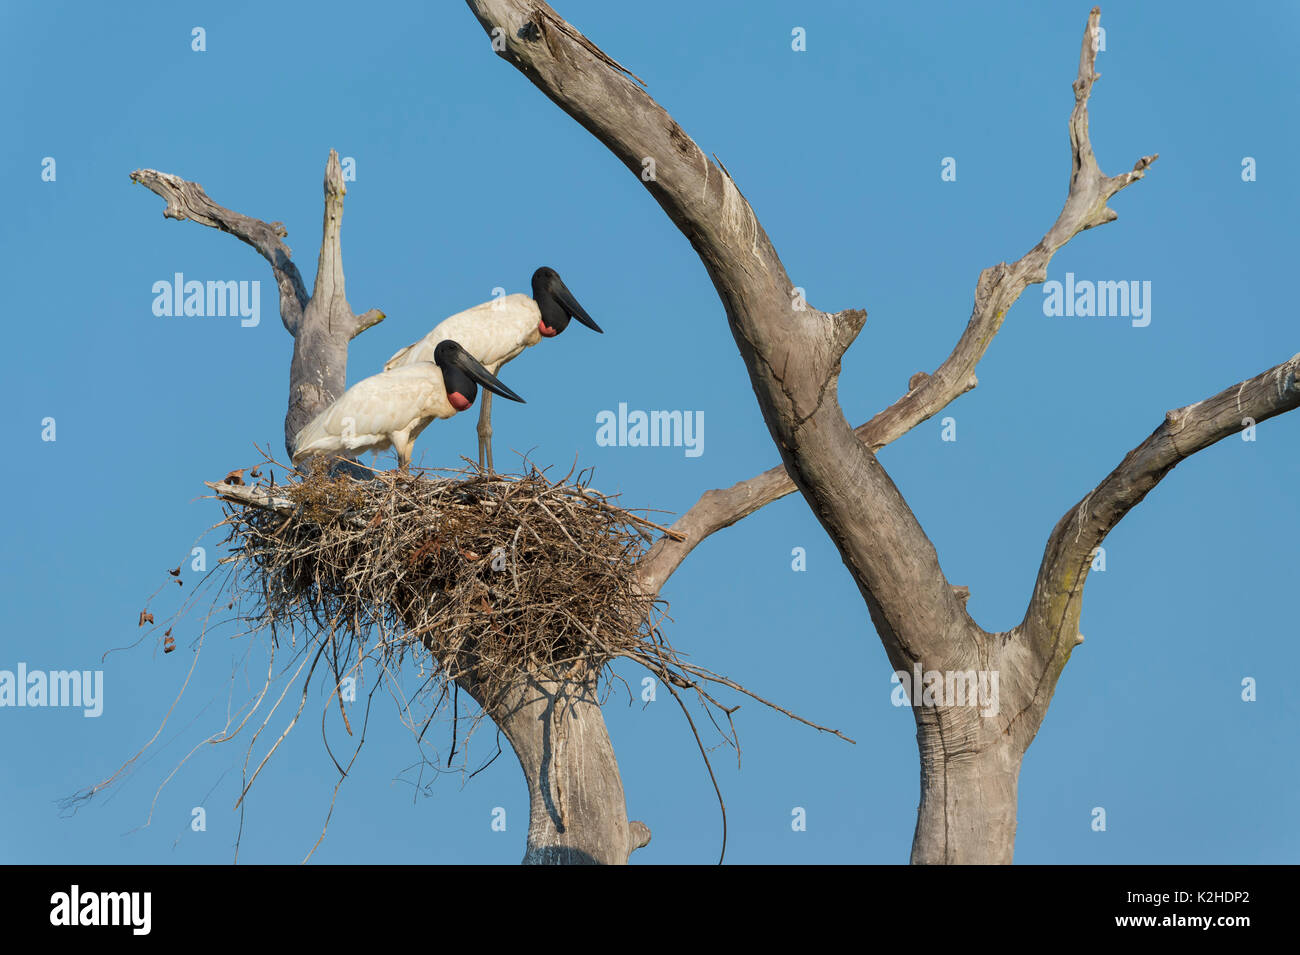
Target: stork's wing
(400, 357)
(493, 332)
(373, 409)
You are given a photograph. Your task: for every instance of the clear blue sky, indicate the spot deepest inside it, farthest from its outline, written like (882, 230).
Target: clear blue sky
(468, 179)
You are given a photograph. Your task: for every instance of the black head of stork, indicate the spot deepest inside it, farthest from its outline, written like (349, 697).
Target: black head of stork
(462, 374)
(557, 304)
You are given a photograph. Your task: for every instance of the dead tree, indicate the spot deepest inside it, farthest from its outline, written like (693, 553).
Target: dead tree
(970, 764)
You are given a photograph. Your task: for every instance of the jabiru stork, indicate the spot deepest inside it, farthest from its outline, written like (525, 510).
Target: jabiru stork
(496, 331)
(392, 408)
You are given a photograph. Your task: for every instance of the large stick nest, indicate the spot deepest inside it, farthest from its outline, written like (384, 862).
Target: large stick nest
(499, 578)
(500, 581)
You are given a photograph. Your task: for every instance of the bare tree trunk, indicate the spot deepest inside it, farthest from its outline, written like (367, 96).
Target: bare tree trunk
(577, 809)
(968, 804)
(970, 753)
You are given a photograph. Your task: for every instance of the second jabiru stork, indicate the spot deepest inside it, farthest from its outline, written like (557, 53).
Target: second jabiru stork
(497, 331)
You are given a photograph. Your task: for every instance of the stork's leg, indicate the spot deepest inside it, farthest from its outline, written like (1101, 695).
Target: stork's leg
(403, 444)
(485, 431)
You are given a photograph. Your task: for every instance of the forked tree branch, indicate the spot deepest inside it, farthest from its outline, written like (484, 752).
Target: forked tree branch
(322, 324)
(996, 291)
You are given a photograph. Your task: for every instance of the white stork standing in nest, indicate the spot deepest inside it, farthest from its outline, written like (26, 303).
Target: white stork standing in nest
(497, 331)
(392, 408)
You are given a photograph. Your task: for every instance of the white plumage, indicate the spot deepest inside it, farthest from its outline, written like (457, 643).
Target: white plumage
(493, 332)
(497, 331)
(385, 410)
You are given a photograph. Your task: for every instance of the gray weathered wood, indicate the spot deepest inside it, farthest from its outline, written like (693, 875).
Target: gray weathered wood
(321, 324)
(1051, 624)
(969, 762)
(187, 200)
(996, 290)
(576, 805)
